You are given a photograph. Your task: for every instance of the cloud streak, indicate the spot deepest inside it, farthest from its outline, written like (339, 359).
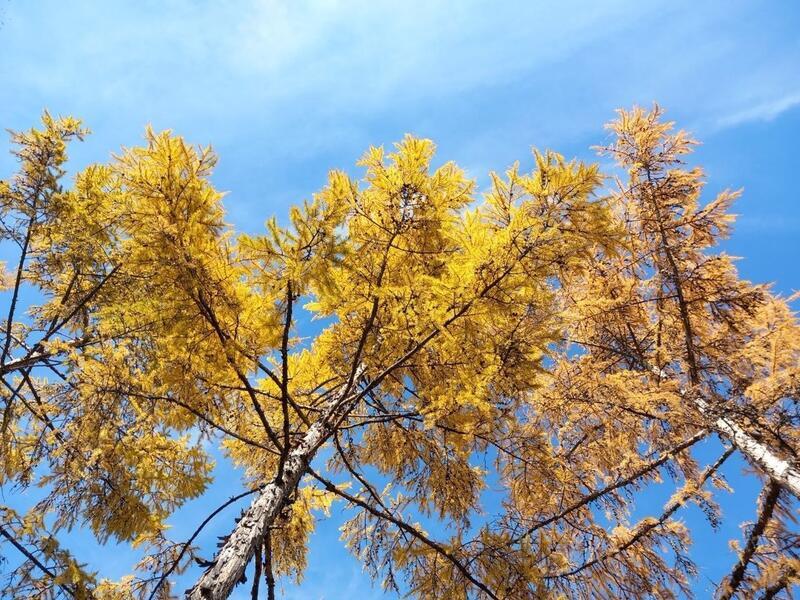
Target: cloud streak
(763, 111)
(279, 62)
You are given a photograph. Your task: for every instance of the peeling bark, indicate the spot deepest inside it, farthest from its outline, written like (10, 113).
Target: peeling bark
(218, 582)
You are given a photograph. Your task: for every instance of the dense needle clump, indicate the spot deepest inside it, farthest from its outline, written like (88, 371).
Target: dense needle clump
(496, 378)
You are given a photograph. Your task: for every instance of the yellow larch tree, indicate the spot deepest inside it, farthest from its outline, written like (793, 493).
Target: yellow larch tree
(579, 341)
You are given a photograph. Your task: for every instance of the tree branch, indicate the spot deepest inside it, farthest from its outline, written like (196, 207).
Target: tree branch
(197, 531)
(403, 526)
(643, 531)
(31, 557)
(665, 456)
(769, 500)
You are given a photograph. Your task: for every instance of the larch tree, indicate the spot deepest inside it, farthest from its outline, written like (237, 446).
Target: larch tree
(577, 339)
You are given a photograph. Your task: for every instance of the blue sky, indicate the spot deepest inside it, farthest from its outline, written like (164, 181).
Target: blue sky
(285, 91)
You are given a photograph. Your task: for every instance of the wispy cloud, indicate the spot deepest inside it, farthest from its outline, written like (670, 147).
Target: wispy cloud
(307, 78)
(763, 111)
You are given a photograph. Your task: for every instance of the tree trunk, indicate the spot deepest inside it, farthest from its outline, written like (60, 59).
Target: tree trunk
(778, 469)
(218, 581)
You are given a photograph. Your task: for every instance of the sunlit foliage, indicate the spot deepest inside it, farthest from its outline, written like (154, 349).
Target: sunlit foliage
(557, 342)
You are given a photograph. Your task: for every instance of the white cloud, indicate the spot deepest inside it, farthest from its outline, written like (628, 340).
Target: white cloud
(762, 111)
(264, 58)
(275, 84)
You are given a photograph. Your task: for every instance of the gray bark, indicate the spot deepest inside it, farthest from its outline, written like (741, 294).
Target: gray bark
(218, 582)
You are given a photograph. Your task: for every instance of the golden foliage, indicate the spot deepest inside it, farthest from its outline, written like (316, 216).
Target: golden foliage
(545, 341)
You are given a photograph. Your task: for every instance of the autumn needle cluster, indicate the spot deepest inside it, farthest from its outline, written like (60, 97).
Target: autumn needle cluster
(578, 333)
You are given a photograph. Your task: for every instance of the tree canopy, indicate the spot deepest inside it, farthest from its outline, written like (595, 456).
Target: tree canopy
(580, 333)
